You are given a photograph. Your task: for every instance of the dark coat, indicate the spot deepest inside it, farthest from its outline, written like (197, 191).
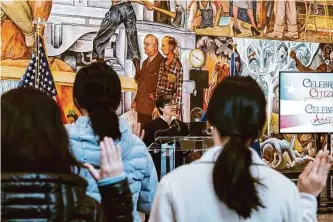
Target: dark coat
(159, 124)
(147, 83)
(56, 197)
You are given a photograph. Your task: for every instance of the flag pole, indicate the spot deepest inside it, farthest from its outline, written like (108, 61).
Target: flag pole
(38, 33)
(233, 59)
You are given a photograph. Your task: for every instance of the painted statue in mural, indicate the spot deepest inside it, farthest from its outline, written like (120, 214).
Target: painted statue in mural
(144, 102)
(170, 76)
(120, 12)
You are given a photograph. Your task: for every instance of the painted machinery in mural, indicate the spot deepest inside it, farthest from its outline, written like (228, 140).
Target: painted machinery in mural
(72, 26)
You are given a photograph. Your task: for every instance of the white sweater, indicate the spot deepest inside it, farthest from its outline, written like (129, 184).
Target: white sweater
(187, 195)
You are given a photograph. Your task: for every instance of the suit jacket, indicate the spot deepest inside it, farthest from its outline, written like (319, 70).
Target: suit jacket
(147, 82)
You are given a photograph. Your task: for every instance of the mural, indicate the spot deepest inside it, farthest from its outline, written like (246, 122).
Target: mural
(310, 21)
(78, 33)
(262, 60)
(149, 44)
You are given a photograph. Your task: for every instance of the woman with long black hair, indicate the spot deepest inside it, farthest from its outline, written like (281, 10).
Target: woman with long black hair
(39, 175)
(97, 94)
(230, 182)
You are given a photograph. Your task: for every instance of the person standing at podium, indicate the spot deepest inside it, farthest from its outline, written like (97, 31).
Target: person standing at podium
(166, 124)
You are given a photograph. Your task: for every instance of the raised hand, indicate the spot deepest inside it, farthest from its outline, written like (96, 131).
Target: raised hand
(136, 129)
(111, 162)
(313, 178)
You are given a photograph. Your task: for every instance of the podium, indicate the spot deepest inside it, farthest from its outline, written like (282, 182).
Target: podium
(170, 152)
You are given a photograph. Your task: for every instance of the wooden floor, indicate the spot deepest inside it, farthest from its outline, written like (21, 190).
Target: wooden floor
(325, 217)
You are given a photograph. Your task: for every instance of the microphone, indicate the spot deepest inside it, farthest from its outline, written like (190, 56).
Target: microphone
(175, 123)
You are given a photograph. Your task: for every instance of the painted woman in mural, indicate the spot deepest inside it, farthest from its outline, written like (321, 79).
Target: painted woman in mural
(170, 76)
(248, 5)
(120, 12)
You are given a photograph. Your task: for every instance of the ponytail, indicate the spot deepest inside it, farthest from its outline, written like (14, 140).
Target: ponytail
(97, 89)
(231, 176)
(105, 123)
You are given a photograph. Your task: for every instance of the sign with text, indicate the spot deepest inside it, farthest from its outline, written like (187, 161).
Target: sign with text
(306, 102)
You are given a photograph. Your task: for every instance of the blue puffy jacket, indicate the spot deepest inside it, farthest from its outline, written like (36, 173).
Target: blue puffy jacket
(138, 163)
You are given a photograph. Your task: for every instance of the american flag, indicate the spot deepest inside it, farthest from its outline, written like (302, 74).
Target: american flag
(38, 74)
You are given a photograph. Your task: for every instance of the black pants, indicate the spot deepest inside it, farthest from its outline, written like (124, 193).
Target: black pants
(118, 14)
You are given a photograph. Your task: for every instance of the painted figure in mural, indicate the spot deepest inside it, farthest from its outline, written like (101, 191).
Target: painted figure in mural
(253, 64)
(329, 63)
(318, 64)
(202, 14)
(221, 71)
(326, 51)
(17, 28)
(120, 12)
(282, 55)
(285, 11)
(147, 80)
(170, 76)
(246, 4)
(280, 154)
(160, 17)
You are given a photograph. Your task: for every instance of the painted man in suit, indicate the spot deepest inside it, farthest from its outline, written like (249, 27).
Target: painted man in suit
(144, 101)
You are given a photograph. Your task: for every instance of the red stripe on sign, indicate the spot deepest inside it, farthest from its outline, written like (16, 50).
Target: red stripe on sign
(287, 121)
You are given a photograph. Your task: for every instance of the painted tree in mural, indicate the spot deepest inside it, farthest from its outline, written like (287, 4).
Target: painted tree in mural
(263, 60)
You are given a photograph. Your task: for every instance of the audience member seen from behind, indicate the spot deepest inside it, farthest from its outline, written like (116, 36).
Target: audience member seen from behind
(97, 93)
(234, 183)
(37, 179)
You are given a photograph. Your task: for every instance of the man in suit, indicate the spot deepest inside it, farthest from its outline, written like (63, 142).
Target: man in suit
(146, 79)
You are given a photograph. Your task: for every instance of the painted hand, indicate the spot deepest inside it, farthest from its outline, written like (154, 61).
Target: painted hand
(197, 21)
(313, 178)
(111, 162)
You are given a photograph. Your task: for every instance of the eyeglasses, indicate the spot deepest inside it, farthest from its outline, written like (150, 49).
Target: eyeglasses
(170, 104)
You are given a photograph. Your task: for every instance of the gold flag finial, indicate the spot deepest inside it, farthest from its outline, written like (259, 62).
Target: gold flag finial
(234, 45)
